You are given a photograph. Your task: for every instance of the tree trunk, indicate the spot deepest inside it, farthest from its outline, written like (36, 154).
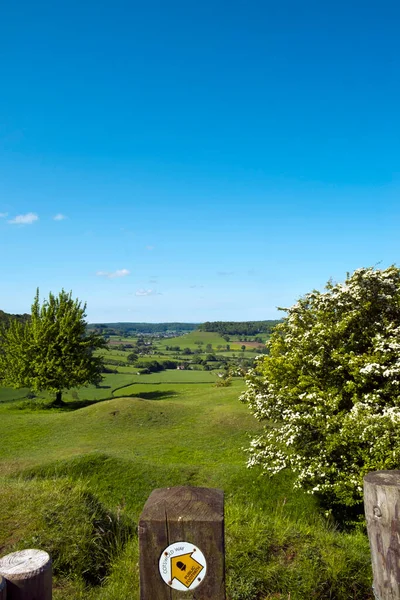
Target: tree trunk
(58, 401)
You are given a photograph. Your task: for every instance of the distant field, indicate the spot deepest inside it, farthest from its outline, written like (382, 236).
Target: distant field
(115, 384)
(128, 370)
(189, 340)
(166, 377)
(248, 344)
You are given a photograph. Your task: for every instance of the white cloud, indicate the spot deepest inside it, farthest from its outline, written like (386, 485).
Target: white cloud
(149, 247)
(27, 219)
(59, 217)
(114, 274)
(147, 293)
(3, 215)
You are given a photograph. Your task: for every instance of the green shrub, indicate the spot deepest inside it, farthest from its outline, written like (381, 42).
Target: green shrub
(329, 391)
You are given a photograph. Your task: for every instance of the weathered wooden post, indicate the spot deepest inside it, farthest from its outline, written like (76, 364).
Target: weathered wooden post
(382, 512)
(3, 590)
(181, 545)
(28, 575)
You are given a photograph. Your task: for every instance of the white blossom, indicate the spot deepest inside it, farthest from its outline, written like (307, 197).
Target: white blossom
(328, 392)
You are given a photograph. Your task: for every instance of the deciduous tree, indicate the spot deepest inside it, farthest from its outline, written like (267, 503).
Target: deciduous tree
(53, 350)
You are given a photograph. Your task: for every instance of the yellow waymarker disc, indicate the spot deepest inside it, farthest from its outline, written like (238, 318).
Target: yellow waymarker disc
(182, 566)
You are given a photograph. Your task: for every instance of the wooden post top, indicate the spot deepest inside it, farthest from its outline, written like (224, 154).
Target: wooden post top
(24, 564)
(184, 503)
(386, 478)
(181, 542)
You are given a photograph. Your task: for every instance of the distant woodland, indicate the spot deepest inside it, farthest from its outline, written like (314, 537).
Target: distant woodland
(5, 318)
(238, 327)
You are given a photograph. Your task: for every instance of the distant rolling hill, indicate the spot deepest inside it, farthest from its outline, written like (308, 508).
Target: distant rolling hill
(128, 329)
(5, 318)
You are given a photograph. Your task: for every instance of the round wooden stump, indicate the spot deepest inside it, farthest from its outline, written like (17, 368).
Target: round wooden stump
(28, 574)
(382, 512)
(3, 591)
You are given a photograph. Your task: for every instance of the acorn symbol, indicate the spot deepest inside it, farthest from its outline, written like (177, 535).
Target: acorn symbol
(181, 565)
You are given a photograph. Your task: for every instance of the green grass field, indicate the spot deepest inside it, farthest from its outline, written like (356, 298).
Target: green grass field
(74, 482)
(125, 382)
(189, 340)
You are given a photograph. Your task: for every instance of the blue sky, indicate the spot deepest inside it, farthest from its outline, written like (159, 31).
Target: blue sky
(212, 160)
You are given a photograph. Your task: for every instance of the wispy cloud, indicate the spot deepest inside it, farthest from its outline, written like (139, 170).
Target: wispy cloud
(147, 293)
(224, 273)
(59, 217)
(114, 274)
(3, 215)
(192, 287)
(149, 247)
(27, 219)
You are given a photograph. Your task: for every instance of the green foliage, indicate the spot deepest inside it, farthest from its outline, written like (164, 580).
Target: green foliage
(5, 318)
(329, 389)
(132, 357)
(224, 380)
(52, 351)
(226, 328)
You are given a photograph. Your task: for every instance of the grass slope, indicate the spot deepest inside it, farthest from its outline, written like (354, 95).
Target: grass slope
(190, 340)
(123, 383)
(75, 481)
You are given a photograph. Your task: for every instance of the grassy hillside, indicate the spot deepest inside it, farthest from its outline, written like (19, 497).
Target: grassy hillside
(199, 339)
(126, 382)
(191, 340)
(74, 482)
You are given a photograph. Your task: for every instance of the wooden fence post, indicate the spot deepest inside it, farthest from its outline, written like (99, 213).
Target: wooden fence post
(181, 545)
(3, 590)
(382, 512)
(28, 575)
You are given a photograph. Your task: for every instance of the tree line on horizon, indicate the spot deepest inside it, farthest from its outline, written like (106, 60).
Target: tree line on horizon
(127, 329)
(239, 327)
(5, 318)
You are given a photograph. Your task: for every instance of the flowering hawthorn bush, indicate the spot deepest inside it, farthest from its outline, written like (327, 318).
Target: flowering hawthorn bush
(329, 390)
